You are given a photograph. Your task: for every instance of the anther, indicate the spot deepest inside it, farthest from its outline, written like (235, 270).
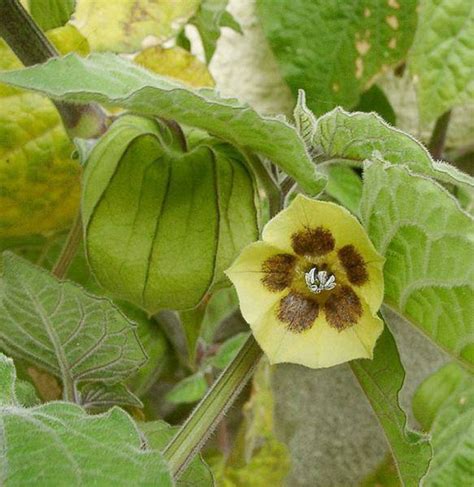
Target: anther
(319, 281)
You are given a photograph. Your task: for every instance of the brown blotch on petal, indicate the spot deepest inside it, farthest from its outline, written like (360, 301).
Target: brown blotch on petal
(343, 308)
(278, 271)
(353, 264)
(298, 312)
(313, 241)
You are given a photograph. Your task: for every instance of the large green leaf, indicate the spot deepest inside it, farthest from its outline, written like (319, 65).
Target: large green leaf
(61, 329)
(442, 57)
(333, 49)
(59, 444)
(427, 240)
(50, 14)
(121, 26)
(106, 78)
(355, 137)
(381, 379)
(444, 405)
(162, 222)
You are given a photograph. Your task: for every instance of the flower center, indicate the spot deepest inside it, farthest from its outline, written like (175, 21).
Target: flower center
(318, 281)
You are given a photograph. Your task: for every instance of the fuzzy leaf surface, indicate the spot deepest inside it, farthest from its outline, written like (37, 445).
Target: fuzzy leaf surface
(59, 444)
(109, 79)
(428, 243)
(63, 330)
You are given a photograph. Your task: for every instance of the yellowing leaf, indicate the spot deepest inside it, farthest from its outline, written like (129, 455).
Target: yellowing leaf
(176, 63)
(39, 182)
(121, 25)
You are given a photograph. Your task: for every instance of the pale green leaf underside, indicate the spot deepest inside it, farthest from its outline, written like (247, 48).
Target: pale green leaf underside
(333, 49)
(355, 137)
(59, 444)
(109, 79)
(442, 56)
(381, 380)
(427, 241)
(63, 330)
(449, 396)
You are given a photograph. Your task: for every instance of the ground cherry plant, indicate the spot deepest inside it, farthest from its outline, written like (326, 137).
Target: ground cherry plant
(237, 243)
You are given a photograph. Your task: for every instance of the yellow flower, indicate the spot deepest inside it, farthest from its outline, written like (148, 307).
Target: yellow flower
(312, 288)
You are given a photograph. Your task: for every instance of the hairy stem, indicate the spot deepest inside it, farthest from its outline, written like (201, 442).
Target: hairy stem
(69, 249)
(31, 46)
(438, 137)
(206, 416)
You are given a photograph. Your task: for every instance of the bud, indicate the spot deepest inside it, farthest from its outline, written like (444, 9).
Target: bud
(163, 221)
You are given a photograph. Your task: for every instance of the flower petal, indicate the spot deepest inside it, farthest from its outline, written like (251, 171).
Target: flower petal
(321, 345)
(259, 275)
(312, 225)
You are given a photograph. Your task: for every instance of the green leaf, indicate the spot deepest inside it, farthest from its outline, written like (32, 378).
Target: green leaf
(381, 379)
(122, 26)
(427, 240)
(110, 79)
(228, 350)
(64, 331)
(221, 305)
(157, 234)
(444, 403)
(334, 49)
(345, 186)
(99, 396)
(356, 137)
(442, 56)
(50, 14)
(197, 474)
(59, 444)
(188, 390)
(209, 20)
(374, 100)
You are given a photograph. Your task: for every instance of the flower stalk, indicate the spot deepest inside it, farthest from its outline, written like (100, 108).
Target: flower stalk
(206, 416)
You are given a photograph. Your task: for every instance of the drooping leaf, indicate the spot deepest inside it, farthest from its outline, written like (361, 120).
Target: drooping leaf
(356, 137)
(197, 474)
(209, 19)
(177, 63)
(427, 240)
(49, 14)
(122, 26)
(444, 404)
(61, 329)
(381, 379)
(109, 79)
(39, 182)
(59, 444)
(162, 222)
(188, 390)
(442, 56)
(334, 49)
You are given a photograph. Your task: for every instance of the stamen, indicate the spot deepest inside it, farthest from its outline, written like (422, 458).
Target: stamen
(318, 281)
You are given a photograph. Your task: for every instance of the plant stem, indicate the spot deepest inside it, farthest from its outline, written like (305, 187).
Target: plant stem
(31, 46)
(69, 249)
(206, 416)
(438, 137)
